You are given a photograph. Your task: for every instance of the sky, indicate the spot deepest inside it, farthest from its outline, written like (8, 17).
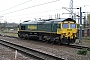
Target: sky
(21, 10)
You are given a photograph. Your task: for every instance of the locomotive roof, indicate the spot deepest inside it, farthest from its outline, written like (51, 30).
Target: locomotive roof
(69, 19)
(29, 22)
(48, 21)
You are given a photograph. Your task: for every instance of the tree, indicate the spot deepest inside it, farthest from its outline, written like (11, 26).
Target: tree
(88, 17)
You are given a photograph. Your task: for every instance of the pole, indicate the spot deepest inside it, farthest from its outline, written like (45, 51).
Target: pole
(80, 34)
(84, 21)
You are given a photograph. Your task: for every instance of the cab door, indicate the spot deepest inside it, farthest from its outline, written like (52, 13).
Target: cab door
(59, 26)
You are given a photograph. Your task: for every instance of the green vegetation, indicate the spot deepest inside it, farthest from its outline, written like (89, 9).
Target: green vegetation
(85, 41)
(82, 51)
(88, 16)
(77, 25)
(15, 27)
(9, 32)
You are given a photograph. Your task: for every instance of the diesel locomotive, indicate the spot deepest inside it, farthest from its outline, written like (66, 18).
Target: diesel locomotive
(62, 31)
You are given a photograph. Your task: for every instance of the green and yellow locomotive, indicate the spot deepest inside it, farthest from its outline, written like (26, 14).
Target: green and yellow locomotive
(52, 30)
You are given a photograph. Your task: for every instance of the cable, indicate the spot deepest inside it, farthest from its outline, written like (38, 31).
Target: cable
(36, 12)
(32, 17)
(16, 5)
(83, 6)
(31, 7)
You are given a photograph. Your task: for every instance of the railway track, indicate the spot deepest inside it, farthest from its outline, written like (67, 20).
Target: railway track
(78, 46)
(72, 45)
(31, 52)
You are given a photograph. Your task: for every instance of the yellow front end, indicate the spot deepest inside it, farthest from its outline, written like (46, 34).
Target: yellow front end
(67, 31)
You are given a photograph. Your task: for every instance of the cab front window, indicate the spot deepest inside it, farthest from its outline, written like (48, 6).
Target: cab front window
(65, 25)
(72, 25)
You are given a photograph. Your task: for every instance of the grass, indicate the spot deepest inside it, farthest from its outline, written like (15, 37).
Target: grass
(85, 41)
(9, 33)
(82, 51)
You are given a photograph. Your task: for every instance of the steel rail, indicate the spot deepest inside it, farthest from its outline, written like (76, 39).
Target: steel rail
(71, 45)
(32, 52)
(79, 47)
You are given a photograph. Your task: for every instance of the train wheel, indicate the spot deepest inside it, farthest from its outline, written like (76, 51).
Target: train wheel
(53, 40)
(58, 40)
(26, 36)
(21, 36)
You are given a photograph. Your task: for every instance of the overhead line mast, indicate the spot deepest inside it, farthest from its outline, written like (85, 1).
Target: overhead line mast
(71, 9)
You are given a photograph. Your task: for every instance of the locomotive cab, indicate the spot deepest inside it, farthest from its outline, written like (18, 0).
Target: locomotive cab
(67, 30)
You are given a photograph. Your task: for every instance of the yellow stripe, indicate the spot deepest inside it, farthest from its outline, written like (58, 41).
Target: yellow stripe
(37, 31)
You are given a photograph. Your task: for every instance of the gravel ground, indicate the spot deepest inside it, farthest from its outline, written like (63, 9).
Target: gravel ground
(8, 54)
(61, 51)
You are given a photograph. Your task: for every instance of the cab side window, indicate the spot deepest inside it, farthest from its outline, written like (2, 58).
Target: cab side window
(22, 27)
(59, 26)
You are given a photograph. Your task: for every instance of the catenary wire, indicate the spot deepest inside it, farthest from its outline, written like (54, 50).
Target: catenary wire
(36, 12)
(32, 17)
(16, 6)
(31, 7)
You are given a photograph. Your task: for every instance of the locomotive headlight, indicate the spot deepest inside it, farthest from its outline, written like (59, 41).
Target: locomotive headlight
(63, 32)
